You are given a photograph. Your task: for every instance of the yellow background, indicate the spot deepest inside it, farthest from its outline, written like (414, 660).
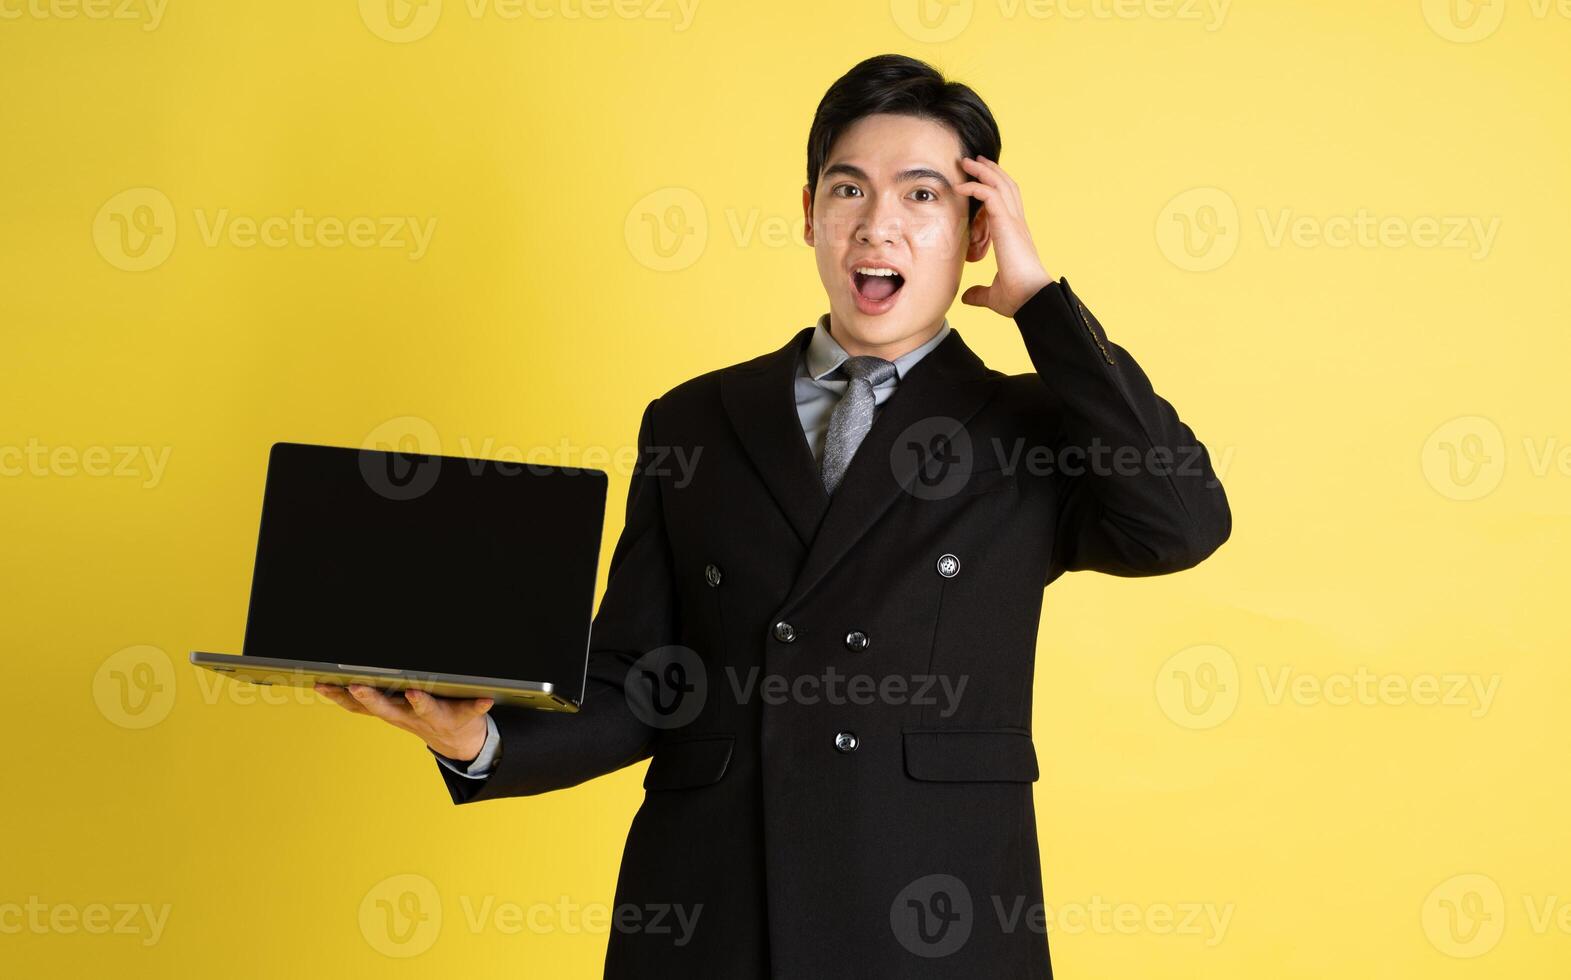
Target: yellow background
(1371, 837)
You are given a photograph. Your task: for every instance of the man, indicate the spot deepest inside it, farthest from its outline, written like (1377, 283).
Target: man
(824, 634)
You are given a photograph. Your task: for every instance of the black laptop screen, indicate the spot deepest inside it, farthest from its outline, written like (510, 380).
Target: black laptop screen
(428, 563)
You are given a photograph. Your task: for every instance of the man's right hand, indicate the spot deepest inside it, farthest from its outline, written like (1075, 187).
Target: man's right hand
(454, 727)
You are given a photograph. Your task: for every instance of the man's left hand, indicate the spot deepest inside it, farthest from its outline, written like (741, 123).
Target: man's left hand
(1020, 272)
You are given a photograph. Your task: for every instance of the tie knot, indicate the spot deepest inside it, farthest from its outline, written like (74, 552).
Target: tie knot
(864, 367)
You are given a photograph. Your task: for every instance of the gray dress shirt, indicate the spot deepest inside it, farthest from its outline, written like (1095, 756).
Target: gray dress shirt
(818, 390)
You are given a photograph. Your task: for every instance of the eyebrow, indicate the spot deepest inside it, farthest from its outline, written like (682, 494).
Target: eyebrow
(913, 173)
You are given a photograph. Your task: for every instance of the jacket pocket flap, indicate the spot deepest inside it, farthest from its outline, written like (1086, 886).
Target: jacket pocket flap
(989, 755)
(689, 762)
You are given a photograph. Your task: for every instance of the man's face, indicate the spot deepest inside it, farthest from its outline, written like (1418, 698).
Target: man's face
(886, 200)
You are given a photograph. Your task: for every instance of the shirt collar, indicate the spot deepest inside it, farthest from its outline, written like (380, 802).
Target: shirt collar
(824, 353)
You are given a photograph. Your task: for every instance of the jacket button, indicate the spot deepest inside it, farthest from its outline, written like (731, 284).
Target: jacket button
(857, 640)
(948, 566)
(712, 574)
(785, 632)
(846, 742)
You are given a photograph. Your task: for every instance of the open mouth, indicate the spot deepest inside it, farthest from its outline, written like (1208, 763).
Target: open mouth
(876, 288)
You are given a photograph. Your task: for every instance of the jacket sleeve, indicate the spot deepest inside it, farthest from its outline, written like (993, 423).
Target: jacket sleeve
(543, 750)
(1137, 492)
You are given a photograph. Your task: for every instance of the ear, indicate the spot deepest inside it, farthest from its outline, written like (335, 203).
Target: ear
(980, 236)
(807, 214)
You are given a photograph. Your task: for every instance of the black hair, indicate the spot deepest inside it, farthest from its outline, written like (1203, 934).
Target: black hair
(897, 84)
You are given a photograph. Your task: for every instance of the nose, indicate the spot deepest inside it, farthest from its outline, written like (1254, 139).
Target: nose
(880, 222)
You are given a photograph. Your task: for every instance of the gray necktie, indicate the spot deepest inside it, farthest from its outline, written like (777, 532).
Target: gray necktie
(853, 415)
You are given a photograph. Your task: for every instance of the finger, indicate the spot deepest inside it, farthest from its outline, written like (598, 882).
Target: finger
(995, 176)
(429, 706)
(1003, 175)
(422, 704)
(975, 296)
(999, 197)
(1003, 225)
(378, 704)
(978, 170)
(340, 697)
(977, 189)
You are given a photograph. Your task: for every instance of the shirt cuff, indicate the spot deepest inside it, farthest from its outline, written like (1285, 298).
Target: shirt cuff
(483, 763)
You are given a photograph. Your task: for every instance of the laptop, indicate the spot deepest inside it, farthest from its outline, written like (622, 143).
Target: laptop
(462, 577)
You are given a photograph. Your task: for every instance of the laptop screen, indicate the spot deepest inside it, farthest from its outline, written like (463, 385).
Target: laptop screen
(427, 563)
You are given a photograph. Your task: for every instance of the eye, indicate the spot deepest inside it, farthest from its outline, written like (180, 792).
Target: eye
(923, 190)
(845, 187)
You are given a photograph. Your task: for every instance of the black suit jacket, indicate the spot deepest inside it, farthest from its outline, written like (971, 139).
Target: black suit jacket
(889, 835)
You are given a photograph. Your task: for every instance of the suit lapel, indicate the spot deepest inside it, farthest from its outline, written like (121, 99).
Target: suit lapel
(941, 392)
(760, 398)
